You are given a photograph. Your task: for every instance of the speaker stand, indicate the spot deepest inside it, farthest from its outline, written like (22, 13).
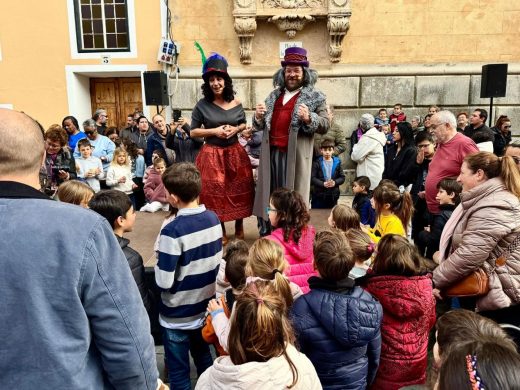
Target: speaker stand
(491, 111)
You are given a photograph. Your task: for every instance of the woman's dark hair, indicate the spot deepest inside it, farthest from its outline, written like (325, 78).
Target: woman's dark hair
(293, 215)
(501, 120)
(406, 131)
(458, 326)
(397, 256)
(228, 93)
(72, 119)
(497, 366)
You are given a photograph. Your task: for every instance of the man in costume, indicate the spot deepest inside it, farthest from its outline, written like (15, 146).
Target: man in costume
(290, 116)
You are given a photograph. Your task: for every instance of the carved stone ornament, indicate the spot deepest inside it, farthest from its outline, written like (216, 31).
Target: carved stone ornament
(293, 3)
(289, 24)
(291, 16)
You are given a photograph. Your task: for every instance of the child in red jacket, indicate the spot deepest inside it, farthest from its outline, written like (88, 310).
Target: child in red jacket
(397, 116)
(397, 280)
(154, 189)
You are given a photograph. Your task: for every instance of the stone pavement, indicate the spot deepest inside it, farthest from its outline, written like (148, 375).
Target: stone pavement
(147, 227)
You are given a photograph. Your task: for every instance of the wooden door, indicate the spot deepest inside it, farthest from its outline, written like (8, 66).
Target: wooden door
(120, 96)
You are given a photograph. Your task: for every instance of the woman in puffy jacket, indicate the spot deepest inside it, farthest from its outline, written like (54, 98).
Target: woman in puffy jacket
(482, 229)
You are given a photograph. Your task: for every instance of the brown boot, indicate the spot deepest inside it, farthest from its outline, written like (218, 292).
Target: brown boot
(239, 229)
(224, 236)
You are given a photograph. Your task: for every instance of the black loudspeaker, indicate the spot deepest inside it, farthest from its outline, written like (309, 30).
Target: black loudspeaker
(156, 88)
(494, 80)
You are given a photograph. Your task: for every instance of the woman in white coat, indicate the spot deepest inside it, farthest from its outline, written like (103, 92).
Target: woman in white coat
(368, 151)
(261, 347)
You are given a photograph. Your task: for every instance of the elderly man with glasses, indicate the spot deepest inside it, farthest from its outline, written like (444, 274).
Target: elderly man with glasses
(452, 147)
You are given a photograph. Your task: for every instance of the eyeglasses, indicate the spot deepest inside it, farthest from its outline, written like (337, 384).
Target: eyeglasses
(434, 126)
(269, 209)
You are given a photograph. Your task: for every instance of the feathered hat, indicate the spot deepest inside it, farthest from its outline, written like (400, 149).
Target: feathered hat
(215, 63)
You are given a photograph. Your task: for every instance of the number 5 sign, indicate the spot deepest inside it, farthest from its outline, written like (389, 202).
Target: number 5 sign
(105, 60)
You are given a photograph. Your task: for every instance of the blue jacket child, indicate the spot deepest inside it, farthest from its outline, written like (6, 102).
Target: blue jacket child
(338, 327)
(326, 197)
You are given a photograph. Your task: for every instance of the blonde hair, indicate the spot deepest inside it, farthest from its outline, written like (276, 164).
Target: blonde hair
(345, 217)
(361, 244)
(75, 192)
(267, 261)
(158, 161)
(117, 153)
(259, 328)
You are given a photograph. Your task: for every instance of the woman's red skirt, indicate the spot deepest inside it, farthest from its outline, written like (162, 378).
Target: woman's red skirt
(227, 181)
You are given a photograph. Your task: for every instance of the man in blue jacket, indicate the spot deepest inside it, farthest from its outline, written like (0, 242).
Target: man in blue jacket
(71, 315)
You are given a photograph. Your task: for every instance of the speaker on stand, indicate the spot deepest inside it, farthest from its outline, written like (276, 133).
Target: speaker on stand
(493, 84)
(156, 89)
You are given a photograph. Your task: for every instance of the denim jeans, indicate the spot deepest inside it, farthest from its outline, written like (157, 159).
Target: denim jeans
(177, 346)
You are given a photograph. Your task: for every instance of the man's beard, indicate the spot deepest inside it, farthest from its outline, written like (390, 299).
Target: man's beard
(298, 84)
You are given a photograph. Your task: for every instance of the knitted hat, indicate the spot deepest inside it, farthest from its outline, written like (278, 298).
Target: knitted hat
(215, 63)
(295, 56)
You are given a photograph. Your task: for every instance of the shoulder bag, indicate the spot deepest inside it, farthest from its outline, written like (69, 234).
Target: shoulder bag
(476, 284)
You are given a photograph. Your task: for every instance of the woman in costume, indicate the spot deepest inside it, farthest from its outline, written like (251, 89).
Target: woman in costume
(227, 176)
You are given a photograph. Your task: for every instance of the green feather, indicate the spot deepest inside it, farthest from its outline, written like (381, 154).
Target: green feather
(201, 51)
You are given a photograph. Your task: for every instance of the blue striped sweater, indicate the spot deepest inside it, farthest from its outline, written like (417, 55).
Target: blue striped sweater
(190, 250)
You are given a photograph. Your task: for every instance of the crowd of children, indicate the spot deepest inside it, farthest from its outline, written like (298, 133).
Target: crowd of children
(347, 307)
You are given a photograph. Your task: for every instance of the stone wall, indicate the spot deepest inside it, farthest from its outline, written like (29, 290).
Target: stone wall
(381, 32)
(355, 90)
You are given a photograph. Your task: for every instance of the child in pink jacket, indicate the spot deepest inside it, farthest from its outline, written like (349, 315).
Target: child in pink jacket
(289, 215)
(154, 189)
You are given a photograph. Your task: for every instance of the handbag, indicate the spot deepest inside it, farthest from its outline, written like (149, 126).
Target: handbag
(476, 284)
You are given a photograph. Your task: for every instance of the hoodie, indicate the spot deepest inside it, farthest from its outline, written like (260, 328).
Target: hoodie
(299, 256)
(154, 189)
(337, 325)
(408, 316)
(369, 155)
(272, 374)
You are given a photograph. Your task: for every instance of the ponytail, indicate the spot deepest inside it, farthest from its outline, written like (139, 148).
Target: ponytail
(259, 328)
(267, 261)
(510, 175)
(493, 166)
(404, 209)
(400, 204)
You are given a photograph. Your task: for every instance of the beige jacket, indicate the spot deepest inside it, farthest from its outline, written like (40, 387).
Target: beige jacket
(489, 223)
(274, 374)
